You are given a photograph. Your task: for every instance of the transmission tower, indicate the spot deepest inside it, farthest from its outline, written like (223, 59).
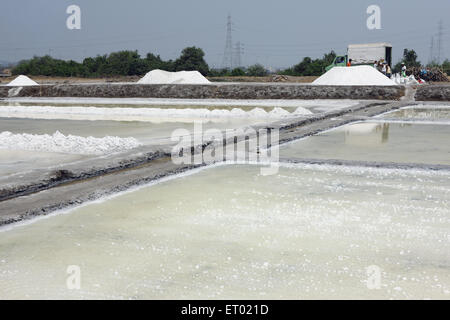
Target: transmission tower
(239, 50)
(431, 59)
(227, 61)
(439, 44)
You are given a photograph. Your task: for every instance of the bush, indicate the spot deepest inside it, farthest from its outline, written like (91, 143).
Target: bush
(256, 70)
(310, 67)
(238, 72)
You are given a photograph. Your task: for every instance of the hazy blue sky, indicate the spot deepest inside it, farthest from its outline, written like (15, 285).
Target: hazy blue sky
(275, 33)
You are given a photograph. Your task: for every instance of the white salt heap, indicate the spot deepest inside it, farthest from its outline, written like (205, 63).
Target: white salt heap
(58, 142)
(354, 76)
(21, 81)
(165, 77)
(143, 114)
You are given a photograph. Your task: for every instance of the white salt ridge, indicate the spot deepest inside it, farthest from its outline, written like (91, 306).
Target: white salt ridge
(165, 77)
(22, 81)
(117, 113)
(158, 102)
(354, 76)
(58, 142)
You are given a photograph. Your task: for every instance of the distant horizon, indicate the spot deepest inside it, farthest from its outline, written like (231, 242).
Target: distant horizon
(275, 35)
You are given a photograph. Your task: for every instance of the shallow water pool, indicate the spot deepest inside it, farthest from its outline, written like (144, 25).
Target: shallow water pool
(229, 233)
(376, 141)
(420, 113)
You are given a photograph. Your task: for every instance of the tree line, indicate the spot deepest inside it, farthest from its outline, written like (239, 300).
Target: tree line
(130, 63)
(121, 63)
(127, 63)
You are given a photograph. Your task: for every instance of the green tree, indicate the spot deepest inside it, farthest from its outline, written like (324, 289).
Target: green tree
(310, 67)
(409, 59)
(301, 68)
(328, 58)
(95, 67)
(155, 62)
(446, 67)
(125, 63)
(192, 58)
(256, 70)
(219, 72)
(237, 72)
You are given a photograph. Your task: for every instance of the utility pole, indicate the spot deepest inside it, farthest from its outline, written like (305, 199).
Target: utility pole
(227, 61)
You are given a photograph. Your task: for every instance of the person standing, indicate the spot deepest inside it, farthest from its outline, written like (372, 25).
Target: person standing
(383, 69)
(349, 63)
(388, 71)
(403, 70)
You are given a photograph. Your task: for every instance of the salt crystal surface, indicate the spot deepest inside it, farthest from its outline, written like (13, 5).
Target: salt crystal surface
(308, 232)
(58, 142)
(117, 113)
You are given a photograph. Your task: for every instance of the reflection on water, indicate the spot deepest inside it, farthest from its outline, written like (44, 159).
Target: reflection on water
(375, 141)
(367, 133)
(435, 114)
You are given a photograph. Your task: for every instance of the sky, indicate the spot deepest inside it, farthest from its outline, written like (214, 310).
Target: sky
(277, 34)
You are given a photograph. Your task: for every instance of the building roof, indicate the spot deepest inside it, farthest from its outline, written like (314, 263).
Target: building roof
(370, 45)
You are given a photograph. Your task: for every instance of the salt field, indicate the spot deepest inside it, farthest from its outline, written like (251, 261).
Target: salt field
(376, 141)
(144, 132)
(224, 165)
(36, 137)
(148, 121)
(229, 232)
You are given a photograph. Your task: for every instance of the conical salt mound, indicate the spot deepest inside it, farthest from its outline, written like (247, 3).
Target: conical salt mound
(165, 77)
(21, 81)
(354, 76)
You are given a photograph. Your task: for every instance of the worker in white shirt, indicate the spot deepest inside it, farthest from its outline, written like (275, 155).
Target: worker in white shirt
(383, 69)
